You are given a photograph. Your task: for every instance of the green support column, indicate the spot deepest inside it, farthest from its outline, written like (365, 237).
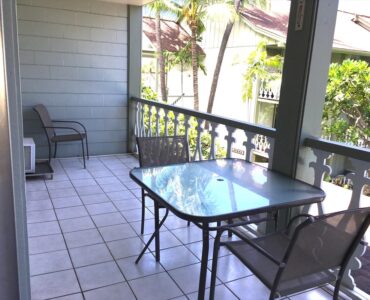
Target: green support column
(14, 270)
(307, 60)
(134, 67)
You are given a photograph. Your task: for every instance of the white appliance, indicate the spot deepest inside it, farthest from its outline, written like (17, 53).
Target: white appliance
(29, 155)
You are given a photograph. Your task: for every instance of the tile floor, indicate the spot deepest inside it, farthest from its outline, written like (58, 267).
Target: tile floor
(84, 235)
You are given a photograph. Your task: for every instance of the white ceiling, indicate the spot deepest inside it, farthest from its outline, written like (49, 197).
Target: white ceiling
(130, 2)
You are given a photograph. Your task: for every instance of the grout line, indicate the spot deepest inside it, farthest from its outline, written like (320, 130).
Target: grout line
(105, 242)
(69, 254)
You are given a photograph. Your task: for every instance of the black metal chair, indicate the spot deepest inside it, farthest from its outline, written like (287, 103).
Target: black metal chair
(53, 137)
(311, 254)
(157, 151)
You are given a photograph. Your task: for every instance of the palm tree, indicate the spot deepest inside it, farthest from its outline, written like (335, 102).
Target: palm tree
(225, 38)
(159, 7)
(193, 13)
(260, 67)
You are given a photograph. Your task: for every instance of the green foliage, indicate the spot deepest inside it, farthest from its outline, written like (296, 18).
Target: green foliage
(148, 93)
(346, 116)
(261, 67)
(163, 7)
(193, 12)
(183, 57)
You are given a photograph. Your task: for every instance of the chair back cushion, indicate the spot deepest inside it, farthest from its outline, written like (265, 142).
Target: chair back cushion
(324, 243)
(45, 119)
(156, 151)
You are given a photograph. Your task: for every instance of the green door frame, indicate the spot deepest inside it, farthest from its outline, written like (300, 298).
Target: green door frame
(14, 271)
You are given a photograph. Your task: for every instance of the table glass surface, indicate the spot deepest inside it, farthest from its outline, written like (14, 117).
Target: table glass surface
(223, 187)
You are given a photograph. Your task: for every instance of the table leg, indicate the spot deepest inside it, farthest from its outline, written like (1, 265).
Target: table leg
(157, 227)
(204, 261)
(155, 235)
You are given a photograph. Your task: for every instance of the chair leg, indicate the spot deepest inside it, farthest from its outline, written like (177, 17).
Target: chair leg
(83, 153)
(87, 147)
(216, 248)
(55, 149)
(142, 211)
(49, 151)
(188, 223)
(337, 287)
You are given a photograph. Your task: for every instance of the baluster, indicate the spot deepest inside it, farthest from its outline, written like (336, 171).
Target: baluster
(359, 179)
(259, 142)
(137, 119)
(249, 145)
(214, 135)
(270, 150)
(142, 125)
(158, 116)
(354, 264)
(176, 123)
(320, 168)
(166, 118)
(150, 133)
(230, 140)
(187, 126)
(198, 145)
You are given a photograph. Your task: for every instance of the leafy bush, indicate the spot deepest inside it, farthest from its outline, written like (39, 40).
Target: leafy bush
(148, 93)
(346, 116)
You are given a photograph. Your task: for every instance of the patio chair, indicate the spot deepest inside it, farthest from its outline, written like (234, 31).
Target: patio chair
(157, 151)
(53, 137)
(311, 254)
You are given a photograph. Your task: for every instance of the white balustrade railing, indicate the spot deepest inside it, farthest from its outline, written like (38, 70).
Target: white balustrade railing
(209, 136)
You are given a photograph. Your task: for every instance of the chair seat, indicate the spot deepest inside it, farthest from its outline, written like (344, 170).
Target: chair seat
(277, 244)
(67, 137)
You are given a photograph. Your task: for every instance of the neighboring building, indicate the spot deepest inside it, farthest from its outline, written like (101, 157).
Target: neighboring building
(351, 40)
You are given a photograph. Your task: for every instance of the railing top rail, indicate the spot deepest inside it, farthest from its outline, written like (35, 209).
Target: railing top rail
(338, 148)
(270, 132)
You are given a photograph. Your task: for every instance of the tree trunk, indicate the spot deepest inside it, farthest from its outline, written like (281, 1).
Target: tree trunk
(194, 62)
(220, 58)
(162, 72)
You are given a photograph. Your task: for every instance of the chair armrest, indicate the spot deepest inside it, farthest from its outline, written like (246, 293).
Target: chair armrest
(75, 122)
(63, 127)
(255, 246)
(307, 216)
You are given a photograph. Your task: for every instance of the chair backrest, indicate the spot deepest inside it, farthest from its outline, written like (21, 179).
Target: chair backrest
(325, 243)
(45, 119)
(163, 150)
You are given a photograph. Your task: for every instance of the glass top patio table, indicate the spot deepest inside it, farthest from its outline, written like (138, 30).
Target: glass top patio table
(216, 190)
(213, 190)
